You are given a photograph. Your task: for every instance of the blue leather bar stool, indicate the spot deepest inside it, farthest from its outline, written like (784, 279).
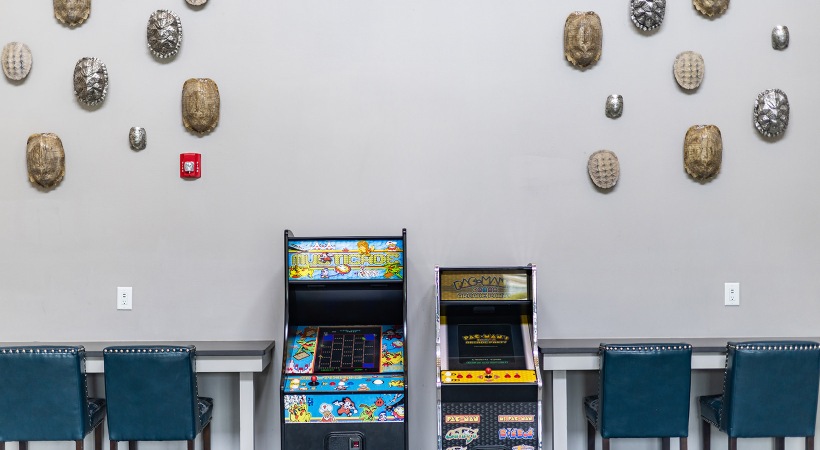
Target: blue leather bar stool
(44, 397)
(152, 396)
(643, 393)
(769, 390)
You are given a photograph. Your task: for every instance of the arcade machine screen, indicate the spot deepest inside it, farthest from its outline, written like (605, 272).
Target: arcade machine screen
(475, 346)
(349, 350)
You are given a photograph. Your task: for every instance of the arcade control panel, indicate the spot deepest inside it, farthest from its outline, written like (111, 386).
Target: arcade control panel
(488, 375)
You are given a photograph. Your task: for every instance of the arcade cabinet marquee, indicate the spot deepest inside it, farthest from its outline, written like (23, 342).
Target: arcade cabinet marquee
(344, 371)
(488, 384)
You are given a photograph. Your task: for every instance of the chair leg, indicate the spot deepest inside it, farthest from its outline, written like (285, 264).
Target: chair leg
(191, 444)
(79, 444)
(604, 443)
(684, 443)
(779, 443)
(809, 443)
(732, 443)
(2, 445)
(206, 437)
(23, 445)
(706, 434)
(98, 437)
(590, 436)
(665, 443)
(112, 444)
(132, 445)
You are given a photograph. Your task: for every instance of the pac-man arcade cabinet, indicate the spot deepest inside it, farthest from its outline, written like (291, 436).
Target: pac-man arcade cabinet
(488, 379)
(344, 367)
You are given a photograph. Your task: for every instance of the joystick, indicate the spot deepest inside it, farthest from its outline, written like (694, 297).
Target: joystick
(489, 372)
(313, 381)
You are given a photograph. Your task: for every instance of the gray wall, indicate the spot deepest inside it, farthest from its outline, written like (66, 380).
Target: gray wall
(459, 120)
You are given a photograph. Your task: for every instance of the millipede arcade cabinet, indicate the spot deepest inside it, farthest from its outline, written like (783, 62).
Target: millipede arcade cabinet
(488, 380)
(344, 368)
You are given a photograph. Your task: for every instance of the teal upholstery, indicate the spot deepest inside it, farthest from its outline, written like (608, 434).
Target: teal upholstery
(152, 395)
(643, 393)
(770, 389)
(44, 396)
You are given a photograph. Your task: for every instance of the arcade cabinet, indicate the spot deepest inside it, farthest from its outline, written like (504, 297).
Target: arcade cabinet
(344, 367)
(488, 384)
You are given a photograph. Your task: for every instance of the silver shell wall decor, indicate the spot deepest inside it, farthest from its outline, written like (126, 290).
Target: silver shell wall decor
(583, 38)
(614, 106)
(647, 14)
(137, 138)
(689, 69)
(604, 168)
(45, 159)
(711, 8)
(196, 2)
(72, 12)
(200, 105)
(90, 81)
(164, 33)
(702, 151)
(780, 37)
(16, 60)
(771, 112)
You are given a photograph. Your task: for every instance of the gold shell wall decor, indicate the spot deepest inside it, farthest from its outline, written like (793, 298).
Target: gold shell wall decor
(689, 69)
(16, 60)
(90, 81)
(72, 12)
(711, 8)
(583, 38)
(604, 168)
(45, 159)
(702, 151)
(164, 33)
(200, 105)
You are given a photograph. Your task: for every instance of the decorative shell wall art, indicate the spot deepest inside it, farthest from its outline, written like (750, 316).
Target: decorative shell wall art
(164, 33)
(702, 151)
(72, 12)
(137, 138)
(689, 69)
(711, 8)
(771, 112)
(45, 159)
(583, 38)
(200, 105)
(780, 37)
(604, 169)
(614, 106)
(90, 81)
(196, 2)
(647, 14)
(16, 60)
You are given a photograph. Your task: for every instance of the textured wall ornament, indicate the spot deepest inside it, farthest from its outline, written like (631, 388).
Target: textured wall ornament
(196, 2)
(647, 14)
(90, 81)
(614, 106)
(702, 151)
(583, 38)
(711, 8)
(771, 112)
(689, 69)
(604, 168)
(200, 104)
(16, 60)
(164, 33)
(45, 159)
(137, 138)
(72, 12)
(780, 37)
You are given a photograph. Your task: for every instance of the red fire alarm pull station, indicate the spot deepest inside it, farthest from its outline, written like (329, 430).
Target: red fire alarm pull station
(190, 165)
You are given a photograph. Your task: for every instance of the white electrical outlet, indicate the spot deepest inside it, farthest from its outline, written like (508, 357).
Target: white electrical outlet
(124, 298)
(731, 294)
